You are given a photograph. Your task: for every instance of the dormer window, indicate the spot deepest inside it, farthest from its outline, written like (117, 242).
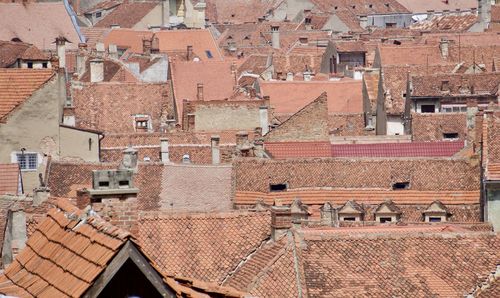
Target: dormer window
(400, 185)
(354, 7)
(98, 14)
(307, 21)
(436, 212)
(387, 212)
(278, 187)
(351, 211)
(142, 123)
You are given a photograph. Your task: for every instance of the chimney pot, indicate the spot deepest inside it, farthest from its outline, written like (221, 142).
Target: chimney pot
(61, 51)
(241, 138)
(146, 46)
(113, 51)
(443, 46)
(264, 119)
(40, 195)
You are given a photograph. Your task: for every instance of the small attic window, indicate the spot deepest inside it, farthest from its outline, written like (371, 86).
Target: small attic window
(400, 185)
(44, 65)
(386, 5)
(370, 5)
(103, 184)
(233, 15)
(30, 64)
(98, 14)
(16, 39)
(354, 7)
(385, 219)
(336, 7)
(450, 135)
(349, 218)
(277, 187)
(209, 54)
(307, 21)
(435, 219)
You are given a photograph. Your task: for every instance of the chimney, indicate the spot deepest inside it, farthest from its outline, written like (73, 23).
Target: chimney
(259, 148)
(189, 53)
(40, 195)
(241, 138)
(329, 216)
(186, 159)
(363, 21)
(443, 46)
(96, 70)
(275, 36)
(146, 46)
(298, 212)
(430, 14)
(165, 13)
(214, 142)
(307, 76)
(61, 51)
(165, 155)
(191, 122)
(289, 76)
(113, 51)
(80, 59)
(100, 49)
(264, 119)
(129, 161)
(199, 91)
(281, 221)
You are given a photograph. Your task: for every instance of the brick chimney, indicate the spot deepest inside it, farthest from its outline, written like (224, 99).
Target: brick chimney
(275, 36)
(61, 51)
(164, 150)
(214, 143)
(199, 91)
(96, 70)
(281, 221)
(100, 49)
(189, 53)
(298, 212)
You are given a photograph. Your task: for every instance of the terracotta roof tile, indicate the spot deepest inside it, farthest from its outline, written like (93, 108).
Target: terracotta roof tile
(495, 13)
(237, 11)
(95, 106)
(94, 35)
(38, 24)
(127, 15)
(17, 85)
(49, 265)
(423, 265)
(424, 174)
(438, 5)
(279, 150)
(361, 7)
(10, 52)
(458, 84)
(9, 179)
(187, 75)
(289, 97)
(413, 149)
(455, 23)
(202, 246)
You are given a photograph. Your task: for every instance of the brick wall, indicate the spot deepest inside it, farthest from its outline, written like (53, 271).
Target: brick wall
(348, 125)
(120, 212)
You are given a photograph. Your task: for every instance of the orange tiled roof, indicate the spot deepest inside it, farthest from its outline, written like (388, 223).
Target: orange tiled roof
(368, 196)
(438, 5)
(11, 51)
(17, 85)
(288, 97)
(216, 77)
(455, 23)
(64, 255)
(38, 24)
(127, 15)
(204, 246)
(9, 178)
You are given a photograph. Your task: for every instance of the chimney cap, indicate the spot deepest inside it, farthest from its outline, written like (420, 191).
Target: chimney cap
(215, 137)
(163, 139)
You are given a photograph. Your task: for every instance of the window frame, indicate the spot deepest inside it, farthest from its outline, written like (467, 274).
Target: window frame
(15, 159)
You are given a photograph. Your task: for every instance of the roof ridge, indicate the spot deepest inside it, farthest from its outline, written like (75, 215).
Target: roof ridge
(159, 215)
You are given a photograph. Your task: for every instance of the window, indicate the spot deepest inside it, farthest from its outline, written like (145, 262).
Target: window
(103, 184)
(434, 219)
(123, 184)
(209, 54)
(30, 64)
(427, 108)
(454, 109)
(141, 124)
(98, 14)
(44, 65)
(350, 218)
(401, 185)
(390, 25)
(27, 161)
(277, 187)
(450, 135)
(385, 219)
